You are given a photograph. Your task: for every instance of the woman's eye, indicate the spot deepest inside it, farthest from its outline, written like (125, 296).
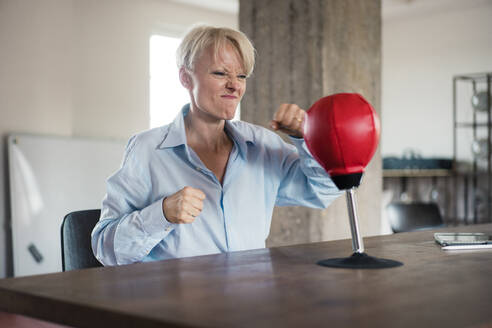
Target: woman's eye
(218, 73)
(242, 77)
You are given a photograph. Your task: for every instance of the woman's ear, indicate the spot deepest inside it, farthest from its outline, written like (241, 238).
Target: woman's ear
(185, 78)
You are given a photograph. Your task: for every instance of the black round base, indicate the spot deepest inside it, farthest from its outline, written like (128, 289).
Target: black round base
(359, 261)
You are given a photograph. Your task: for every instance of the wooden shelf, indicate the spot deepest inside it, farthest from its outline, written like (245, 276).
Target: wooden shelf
(471, 125)
(416, 173)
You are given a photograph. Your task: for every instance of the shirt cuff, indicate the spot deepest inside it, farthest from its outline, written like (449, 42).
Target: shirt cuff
(156, 224)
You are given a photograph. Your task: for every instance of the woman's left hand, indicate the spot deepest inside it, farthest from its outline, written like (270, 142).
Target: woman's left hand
(289, 118)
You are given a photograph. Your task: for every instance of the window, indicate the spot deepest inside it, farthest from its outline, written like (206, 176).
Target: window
(167, 95)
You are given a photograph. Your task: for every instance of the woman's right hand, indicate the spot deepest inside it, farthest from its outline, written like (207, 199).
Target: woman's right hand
(183, 206)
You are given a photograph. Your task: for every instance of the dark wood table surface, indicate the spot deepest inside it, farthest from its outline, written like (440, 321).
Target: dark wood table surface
(276, 287)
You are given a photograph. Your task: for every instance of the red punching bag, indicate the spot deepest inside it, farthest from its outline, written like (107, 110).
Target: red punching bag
(342, 133)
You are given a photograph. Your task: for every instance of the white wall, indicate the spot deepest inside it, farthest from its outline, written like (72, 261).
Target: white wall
(71, 67)
(424, 45)
(35, 79)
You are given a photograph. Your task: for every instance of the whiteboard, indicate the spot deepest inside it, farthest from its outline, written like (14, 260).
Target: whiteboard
(49, 178)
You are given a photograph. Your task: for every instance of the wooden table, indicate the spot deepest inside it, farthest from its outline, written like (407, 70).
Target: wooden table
(11, 320)
(277, 287)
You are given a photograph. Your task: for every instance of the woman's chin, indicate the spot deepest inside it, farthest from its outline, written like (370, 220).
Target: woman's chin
(230, 116)
(230, 113)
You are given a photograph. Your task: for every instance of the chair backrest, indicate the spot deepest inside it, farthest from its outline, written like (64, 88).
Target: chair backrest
(413, 216)
(76, 247)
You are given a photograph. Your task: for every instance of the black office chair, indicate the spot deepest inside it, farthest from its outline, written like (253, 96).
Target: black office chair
(76, 247)
(413, 216)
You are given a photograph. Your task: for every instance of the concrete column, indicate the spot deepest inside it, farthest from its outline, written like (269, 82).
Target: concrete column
(308, 49)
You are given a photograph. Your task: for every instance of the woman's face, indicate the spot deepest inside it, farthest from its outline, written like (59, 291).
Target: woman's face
(216, 85)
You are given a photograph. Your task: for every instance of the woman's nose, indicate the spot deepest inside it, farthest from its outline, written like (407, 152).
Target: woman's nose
(232, 83)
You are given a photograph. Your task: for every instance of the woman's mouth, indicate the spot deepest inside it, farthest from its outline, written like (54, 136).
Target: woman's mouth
(229, 97)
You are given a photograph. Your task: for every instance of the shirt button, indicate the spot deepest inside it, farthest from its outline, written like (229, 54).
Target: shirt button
(167, 229)
(198, 169)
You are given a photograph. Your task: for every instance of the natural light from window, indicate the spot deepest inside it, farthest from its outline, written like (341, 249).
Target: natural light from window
(167, 95)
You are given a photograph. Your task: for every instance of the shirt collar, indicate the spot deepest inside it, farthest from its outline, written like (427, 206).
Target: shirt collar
(176, 134)
(240, 137)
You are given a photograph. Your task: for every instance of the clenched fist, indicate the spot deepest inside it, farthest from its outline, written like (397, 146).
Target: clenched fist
(289, 118)
(183, 206)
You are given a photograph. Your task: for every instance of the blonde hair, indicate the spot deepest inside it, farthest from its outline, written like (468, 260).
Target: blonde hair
(201, 37)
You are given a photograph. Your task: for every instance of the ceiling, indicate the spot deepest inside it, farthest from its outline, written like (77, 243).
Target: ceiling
(390, 8)
(226, 6)
(401, 8)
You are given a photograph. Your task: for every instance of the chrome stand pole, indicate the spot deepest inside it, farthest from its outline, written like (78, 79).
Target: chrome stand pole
(357, 242)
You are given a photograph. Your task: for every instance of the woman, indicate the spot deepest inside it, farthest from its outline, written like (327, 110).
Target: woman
(204, 184)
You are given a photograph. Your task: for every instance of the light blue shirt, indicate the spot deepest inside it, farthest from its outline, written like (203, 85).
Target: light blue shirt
(262, 171)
